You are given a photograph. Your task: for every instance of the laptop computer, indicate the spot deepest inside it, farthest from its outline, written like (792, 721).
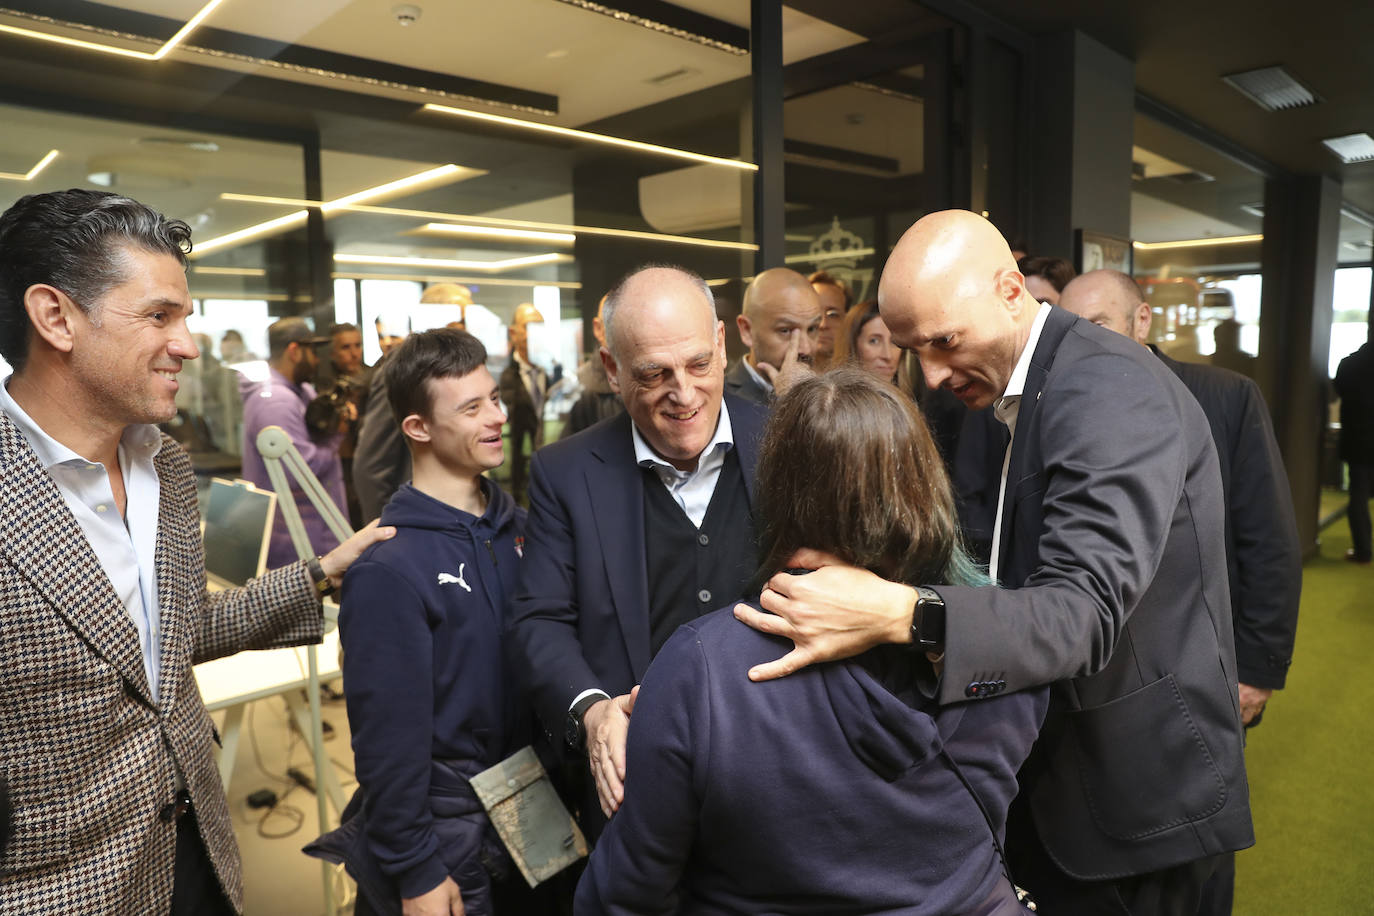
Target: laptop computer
(238, 522)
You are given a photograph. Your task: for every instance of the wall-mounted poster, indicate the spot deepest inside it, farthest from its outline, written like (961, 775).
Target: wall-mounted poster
(1094, 251)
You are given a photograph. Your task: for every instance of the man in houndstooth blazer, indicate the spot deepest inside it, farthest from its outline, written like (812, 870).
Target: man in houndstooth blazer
(104, 740)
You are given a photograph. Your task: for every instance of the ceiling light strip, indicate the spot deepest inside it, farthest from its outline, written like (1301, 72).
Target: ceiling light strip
(163, 50)
(291, 220)
(498, 232)
(454, 263)
(591, 137)
(187, 29)
(653, 26)
(221, 55)
(231, 271)
(1199, 243)
(449, 278)
(494, 221)
(32, 173)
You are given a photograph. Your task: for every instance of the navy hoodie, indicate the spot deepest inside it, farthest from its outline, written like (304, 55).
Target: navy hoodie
(428, 691)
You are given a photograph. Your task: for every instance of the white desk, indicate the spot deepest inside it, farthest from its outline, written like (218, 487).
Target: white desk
(231, 683)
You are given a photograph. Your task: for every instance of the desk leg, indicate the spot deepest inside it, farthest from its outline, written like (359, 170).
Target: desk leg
(229, 743)
(329, 779)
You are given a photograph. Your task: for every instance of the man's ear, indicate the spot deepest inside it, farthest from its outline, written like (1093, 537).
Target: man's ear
(1011, 287)
(416, 427)
(1143, 318)
(52, 315)
(746, 331)
(720, 340)
(612, 369)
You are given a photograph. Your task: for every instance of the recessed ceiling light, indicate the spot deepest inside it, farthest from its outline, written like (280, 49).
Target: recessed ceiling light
(454, 263)
(1199, 243)
(1351, 147)
(1271, 88)
(160, 53)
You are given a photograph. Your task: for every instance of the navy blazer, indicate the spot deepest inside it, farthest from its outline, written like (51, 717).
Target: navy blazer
(823, 792)
(580, 618)
(1113, 553)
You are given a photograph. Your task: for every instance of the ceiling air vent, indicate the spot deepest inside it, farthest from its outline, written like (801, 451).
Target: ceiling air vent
(1272, 88)
(1352, 147)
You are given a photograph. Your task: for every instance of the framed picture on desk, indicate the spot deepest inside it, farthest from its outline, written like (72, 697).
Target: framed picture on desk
(1096, 250)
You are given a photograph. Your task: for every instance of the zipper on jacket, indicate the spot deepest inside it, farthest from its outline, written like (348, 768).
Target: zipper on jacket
(491, 550)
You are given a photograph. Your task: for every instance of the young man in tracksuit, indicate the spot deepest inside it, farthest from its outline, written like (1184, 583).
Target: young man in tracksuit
(430, 700)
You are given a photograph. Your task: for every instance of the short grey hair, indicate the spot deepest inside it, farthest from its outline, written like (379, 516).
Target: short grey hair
(613, 298)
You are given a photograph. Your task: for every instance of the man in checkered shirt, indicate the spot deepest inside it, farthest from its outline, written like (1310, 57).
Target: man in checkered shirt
(104, 740)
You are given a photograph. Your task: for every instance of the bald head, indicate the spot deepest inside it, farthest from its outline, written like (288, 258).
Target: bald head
(951, 292)
(779, 305)
(1111, 299)
(653, 294)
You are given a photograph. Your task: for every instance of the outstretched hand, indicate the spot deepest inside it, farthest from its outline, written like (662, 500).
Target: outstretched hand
(835, 611)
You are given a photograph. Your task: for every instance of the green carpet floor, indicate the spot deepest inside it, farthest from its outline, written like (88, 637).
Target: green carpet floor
(1311, 762)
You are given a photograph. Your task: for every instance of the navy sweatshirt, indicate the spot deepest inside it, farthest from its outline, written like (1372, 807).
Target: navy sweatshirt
(424, 674)
(819, 794)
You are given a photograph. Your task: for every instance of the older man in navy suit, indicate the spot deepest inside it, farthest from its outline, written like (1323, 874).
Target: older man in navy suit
(597, 595)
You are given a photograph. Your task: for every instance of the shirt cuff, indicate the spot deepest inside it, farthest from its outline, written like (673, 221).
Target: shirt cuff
(594, 691)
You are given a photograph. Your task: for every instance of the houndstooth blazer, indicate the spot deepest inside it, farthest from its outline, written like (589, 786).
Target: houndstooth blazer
(91, 759)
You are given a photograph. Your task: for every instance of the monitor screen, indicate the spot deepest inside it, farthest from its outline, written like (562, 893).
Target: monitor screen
(238, 517)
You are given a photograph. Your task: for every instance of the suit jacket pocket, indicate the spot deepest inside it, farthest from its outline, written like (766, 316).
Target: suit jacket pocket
(41, 838)
(1143, 764)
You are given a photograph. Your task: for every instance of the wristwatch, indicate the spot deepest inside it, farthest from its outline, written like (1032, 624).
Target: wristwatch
(574, 729)
(928, 620)
(323, 586)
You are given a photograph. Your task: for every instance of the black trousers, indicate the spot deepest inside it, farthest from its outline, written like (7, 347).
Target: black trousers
(1361, 488)
(196, 889)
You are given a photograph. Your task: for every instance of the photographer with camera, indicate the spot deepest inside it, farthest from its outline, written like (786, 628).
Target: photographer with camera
(287, 399)
(343, 376)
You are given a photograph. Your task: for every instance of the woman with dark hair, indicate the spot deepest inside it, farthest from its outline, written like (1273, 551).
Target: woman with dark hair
(1046, 277)
(844, 788)
(865, 342)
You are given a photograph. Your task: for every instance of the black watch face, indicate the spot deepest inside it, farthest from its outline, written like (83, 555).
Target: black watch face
(572, 730)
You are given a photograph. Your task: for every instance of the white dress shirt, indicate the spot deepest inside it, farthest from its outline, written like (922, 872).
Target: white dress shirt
(1006, 408)
(692, 490)
(124, 546)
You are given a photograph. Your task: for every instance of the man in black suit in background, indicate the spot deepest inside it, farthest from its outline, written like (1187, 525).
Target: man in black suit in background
(1263, 556)
(1354, 385)
(1109, 543)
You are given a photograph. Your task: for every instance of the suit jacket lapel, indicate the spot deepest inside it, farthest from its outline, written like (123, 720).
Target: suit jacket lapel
(44, 543)
(1056, 325)
(746, 436)
(617, 495)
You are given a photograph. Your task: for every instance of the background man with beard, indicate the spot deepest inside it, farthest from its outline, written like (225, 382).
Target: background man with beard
(598, 595)
(780, 323)
(281, 400)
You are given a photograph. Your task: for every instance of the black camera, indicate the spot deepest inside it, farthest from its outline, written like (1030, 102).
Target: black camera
(325, 415)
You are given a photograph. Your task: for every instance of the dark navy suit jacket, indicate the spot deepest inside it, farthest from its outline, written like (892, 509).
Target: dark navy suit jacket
(580, 618)
(1114, 557)
(824, 792)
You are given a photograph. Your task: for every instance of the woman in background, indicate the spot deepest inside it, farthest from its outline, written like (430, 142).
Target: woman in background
(865, 341)
(844, 788)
